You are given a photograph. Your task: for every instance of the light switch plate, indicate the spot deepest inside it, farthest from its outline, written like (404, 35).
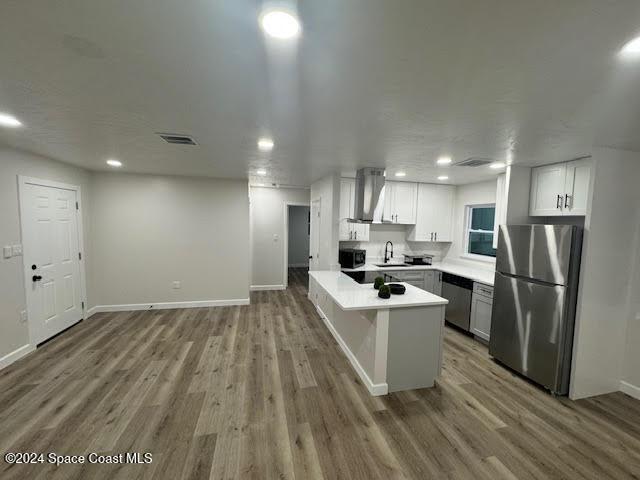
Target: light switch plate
(177, 285)
(23, 316)
(17, 250)
(7, 252)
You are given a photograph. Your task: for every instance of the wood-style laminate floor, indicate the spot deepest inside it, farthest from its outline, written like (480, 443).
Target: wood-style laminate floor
(264, 391)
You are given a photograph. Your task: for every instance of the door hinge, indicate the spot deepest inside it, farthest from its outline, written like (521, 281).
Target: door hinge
(79, 255)
(82, 305)
(77, 206)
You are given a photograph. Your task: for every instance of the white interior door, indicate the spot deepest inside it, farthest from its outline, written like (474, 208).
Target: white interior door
(51, 259)
(314, 241)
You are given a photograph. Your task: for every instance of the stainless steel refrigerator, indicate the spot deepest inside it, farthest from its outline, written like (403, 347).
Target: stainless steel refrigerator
(534, 302)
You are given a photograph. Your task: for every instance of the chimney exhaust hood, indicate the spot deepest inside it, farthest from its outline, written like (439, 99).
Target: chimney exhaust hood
(369, 195)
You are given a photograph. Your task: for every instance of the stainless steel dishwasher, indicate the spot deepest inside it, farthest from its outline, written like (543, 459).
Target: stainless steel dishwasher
(458, 290)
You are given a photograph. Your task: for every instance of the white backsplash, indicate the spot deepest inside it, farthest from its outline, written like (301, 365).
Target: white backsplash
(381, 233)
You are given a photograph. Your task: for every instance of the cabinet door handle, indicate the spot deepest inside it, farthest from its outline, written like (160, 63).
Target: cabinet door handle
(559, 202)
(436, 236)
(566, 200)
(350, 234)
(355, 234)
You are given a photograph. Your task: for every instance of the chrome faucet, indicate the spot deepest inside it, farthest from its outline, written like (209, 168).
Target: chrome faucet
(386, 246)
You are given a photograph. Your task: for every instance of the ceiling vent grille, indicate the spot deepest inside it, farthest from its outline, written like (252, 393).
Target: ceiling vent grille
(473, 162)
(177, 139)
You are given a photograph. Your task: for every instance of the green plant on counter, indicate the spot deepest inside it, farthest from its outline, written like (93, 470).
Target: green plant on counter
(378, 282)
(384, 291)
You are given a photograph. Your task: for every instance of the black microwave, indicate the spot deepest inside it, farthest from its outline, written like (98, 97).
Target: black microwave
(352, 258)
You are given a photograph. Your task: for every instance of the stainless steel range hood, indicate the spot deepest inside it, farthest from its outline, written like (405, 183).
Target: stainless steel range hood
(369, 195)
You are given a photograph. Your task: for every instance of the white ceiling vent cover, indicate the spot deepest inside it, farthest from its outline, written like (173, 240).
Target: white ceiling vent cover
(473, 162)
(177, 139)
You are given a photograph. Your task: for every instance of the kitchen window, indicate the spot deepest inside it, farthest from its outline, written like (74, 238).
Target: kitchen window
(479, 230)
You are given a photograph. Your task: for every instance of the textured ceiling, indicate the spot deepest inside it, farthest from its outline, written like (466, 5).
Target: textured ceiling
(392, 83)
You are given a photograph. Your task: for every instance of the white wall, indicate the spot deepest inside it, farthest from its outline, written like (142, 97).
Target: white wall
(148, 231)
(470, 194)
(379, 234)
(631, 373)
(605, 322)
(267, 221)
(13, 333)
(327, 189)
(298, 236)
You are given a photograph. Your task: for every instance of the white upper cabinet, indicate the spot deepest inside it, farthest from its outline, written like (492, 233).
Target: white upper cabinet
(350, 231)
(400, 202)
(434, 217)
(560, 189)
(577, 187)
(547, 190)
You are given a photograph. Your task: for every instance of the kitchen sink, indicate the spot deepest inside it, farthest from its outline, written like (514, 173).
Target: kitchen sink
(392, 265)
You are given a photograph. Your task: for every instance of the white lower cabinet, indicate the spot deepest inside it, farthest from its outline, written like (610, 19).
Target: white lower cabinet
(433, 282)
(481, 306)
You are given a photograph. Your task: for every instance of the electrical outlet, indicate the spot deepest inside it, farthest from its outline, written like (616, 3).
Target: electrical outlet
(23, 316)
(16, 250)
(177, 285)
(7, 252)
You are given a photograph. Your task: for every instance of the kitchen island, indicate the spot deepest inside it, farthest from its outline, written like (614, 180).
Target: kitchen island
(393, 344)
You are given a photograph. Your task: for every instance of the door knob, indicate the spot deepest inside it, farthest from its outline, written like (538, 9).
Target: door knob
(33, 267)
(36, 278)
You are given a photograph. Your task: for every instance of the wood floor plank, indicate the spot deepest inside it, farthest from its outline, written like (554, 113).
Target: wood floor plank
(264, 391)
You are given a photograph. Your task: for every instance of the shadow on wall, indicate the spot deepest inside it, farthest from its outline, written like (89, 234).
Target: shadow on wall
(299, 228)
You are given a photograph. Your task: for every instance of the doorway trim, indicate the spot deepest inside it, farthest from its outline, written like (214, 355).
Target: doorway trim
(287, 204)
(23, 181)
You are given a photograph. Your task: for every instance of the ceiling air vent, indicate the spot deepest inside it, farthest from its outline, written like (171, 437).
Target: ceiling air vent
(177, 139)
(473, 162)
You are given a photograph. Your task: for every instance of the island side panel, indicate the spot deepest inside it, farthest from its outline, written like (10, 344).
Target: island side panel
(414, 357)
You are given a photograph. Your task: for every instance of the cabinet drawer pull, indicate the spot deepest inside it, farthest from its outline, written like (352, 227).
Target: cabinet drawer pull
(559, 202)
(566, 201)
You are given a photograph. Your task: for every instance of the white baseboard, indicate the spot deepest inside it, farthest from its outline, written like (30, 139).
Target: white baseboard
(166, 305)
(92, 311)
(259, 288)
(375, 389)
(630, 389)
(16, 355)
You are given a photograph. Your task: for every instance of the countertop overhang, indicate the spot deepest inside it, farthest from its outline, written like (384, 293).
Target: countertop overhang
(350, 295)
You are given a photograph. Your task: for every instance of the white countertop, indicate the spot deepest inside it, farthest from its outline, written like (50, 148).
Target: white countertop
(350, 295)
(480, 275)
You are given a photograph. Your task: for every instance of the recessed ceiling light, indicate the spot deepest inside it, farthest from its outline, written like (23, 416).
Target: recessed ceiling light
(114, 163)
(631, 49)
(262, 172)
(444, 161)
(401, 174)
(7, 120)
(280, 24)
(497, 165)
(443, 177)
(265, 144)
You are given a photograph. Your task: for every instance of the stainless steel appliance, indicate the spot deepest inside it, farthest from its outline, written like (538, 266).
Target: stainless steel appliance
(458, 291)
(352, 257)
(418, 259)
(534, 302)
(369, 198)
